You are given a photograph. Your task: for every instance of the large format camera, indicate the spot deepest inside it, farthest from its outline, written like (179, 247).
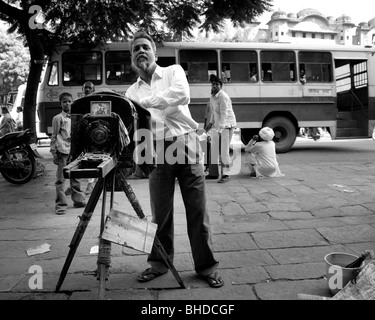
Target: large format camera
(103, 126)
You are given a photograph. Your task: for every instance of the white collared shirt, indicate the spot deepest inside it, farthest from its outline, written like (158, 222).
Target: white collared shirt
(167, 99)
(222, 115)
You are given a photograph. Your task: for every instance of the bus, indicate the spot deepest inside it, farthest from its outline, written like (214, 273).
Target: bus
(262, 79)
(7, 99)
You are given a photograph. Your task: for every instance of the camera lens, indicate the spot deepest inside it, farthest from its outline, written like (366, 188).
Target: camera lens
(99, 135)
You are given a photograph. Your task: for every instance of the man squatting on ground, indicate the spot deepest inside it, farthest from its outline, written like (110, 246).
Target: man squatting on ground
(165, 93)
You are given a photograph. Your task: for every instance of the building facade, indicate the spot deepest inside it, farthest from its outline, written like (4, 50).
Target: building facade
(311, 26)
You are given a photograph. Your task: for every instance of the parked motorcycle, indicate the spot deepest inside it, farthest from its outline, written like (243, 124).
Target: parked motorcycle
(18, 156)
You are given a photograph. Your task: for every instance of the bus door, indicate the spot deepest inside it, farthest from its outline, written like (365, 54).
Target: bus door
(352, 97)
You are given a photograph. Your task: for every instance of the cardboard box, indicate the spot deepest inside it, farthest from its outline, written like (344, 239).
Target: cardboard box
(129, 231)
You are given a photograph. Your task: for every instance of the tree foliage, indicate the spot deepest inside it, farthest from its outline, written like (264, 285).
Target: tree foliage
(89, 22)
(14, 62)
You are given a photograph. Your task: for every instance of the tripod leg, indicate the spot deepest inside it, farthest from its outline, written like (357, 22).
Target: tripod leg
(81, 228)
(138, 209)
(104, 261)
(104, 256)
(167, 261)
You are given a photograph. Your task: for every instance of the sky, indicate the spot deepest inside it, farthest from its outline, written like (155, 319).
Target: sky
(358, 10)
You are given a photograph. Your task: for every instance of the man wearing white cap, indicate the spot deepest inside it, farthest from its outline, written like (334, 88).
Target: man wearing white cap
(261, 155)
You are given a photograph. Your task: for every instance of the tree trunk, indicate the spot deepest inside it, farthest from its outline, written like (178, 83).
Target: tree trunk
(36, 66)
(29, 119)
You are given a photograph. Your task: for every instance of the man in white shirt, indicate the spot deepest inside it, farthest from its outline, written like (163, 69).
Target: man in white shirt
(224, 121)
(166, 95)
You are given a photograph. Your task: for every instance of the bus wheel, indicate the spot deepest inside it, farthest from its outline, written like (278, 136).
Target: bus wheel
(247, 134)
(285, 133)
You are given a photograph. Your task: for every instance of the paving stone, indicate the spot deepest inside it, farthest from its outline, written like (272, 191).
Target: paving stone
(227, 292)
(248, 218)
(252, 227)
(283, 207)
(233, 242)
(328, 212)
(240, 259)
(254, 207)
(232, 208)
(289, 290)
(71, 282)
(349, 220)
(356, 210)
(305, 254)
(9, 282)
(348, 234)
(288, 238)
(314, 223)
(298, 271)
(246, 275)
(113, 295)
(286, 215)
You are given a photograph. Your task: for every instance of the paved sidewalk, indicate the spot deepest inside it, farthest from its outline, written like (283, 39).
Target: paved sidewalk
(270, 236)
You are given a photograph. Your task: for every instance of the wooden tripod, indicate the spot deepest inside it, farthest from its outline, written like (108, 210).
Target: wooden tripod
(104, 245)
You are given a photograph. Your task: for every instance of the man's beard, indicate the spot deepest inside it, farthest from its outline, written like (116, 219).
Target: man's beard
(143, 65)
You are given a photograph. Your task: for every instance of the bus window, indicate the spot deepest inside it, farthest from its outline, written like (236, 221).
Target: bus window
(239, 66)
(53, 79)
(82, 66)
(317, 66)
(199, 64)
(279, 66)
(166, 61)
(118, 68)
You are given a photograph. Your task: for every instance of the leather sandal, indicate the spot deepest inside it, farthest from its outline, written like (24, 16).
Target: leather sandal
(149, 274)
(224, 179)
(214, 280)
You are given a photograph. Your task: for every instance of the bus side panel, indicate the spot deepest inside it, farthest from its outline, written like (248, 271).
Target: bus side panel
(250, 113)
(46, 111)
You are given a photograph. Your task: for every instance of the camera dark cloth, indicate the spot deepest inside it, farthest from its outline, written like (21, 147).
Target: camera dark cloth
(133, 116)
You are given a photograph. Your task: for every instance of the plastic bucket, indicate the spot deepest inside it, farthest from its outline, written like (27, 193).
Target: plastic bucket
(336, 273)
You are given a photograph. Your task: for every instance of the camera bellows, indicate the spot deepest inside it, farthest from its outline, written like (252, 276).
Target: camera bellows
(358, 262)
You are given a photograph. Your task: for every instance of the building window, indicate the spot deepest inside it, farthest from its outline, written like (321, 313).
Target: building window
(332, 37)
(282, 33)
(322, 36)
(313, 35)
(304, 35)
(276, 33)
(293, 34)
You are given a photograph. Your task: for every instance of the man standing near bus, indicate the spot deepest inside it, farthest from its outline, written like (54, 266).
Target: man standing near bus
(224, 121)
(87, 88)
(165, 93)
